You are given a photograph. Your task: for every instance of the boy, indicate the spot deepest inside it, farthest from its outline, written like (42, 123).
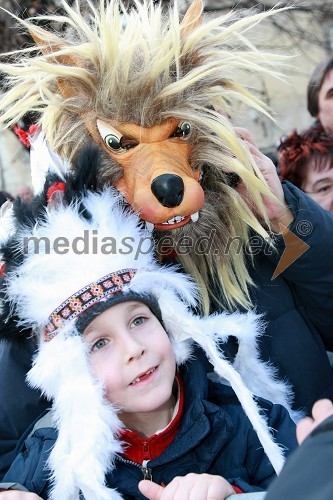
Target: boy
(114, 335)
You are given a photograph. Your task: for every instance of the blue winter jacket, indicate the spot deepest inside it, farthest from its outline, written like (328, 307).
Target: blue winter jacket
(214, 437)
(298, 304)
(297, 307)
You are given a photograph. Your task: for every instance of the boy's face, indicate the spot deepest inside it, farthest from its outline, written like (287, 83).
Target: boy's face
(131, 353)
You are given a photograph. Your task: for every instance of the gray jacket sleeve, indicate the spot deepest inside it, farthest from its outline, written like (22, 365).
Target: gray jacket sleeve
(308, 473)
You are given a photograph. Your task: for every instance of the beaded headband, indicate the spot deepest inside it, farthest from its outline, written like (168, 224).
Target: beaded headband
(86, 297)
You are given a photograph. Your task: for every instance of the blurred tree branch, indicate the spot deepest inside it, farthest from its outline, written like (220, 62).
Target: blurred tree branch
(11, 37)
(292, 25)
(309, 22)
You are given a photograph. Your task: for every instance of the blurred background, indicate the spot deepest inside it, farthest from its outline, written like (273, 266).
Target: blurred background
(305, 32)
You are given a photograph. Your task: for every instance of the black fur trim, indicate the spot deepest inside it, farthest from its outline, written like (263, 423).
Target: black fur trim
(82, 178)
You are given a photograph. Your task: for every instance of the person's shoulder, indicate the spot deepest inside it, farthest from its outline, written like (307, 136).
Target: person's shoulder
(224, 396)
(221, 394)
(43, 422)
(28, 468)
(42, 429)
(298, 201)
(277, 417)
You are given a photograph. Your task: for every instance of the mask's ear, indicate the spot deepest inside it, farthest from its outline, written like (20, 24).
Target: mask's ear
(192, 18)
(51, 44)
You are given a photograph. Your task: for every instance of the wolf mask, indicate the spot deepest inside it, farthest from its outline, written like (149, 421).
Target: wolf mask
(155, 93)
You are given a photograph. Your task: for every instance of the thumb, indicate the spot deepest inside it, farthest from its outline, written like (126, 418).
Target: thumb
(150, 490)
(303, 429)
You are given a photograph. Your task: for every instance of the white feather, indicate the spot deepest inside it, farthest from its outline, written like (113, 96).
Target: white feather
(42, 161)
(87, 425)
(7, 225)
(209, 333)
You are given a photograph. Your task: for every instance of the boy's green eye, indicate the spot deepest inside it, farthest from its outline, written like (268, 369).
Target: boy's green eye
(137, 321)
(99, 344)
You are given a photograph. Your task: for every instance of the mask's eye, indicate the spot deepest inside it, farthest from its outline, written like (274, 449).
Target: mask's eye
(114, 139)
(183, 131)
(114, 143)
(127, 143)
(120, 145)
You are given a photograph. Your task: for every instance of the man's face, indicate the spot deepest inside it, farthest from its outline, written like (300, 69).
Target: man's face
(325, 102)
(130, 352)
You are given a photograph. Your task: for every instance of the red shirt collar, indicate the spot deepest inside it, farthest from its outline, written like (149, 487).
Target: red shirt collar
(139, 449)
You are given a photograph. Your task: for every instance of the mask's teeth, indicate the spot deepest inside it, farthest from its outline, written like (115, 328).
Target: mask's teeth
(195, 217)
(150, 226)
(174, 220)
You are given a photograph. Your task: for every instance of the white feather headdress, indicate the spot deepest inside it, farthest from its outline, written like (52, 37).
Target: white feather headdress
(73, 256)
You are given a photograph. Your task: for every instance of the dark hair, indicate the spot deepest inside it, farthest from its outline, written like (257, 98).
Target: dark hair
(315, 83)
(4, 196)
(297, 151)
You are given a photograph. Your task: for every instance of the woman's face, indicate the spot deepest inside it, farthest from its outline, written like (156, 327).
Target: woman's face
(319, 185)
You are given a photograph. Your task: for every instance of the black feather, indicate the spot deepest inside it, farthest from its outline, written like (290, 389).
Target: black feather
(82, 178)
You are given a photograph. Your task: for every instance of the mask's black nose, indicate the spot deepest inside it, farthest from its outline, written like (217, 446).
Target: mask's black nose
(168, 189)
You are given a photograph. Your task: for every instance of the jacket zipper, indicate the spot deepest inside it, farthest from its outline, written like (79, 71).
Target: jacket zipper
(146, 471)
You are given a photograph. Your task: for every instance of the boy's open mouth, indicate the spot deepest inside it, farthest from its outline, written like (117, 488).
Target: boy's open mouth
(143, 376)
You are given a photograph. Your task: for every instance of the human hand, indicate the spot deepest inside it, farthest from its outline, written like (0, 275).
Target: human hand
(321, 410)
(189, 487)
(18, 495)
(277, 210)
